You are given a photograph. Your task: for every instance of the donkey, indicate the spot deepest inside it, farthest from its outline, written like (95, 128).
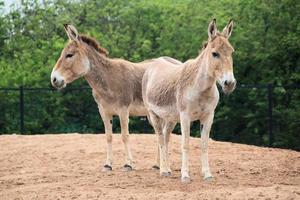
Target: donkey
(187, 93)
(116, 84)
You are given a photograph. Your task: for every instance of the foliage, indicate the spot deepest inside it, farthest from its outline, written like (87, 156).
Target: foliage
(266, 39)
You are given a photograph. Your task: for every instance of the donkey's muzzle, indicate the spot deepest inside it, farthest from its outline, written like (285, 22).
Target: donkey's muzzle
(229, 86)
(57, 83)
(57, 80)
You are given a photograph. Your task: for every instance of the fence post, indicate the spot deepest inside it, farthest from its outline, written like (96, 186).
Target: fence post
(145, 124)
(270, 114)
(21, 89)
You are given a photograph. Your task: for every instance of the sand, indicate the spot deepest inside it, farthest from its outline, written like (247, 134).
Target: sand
(68, 166)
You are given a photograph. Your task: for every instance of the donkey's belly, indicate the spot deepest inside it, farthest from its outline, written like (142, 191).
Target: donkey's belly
(137, 109)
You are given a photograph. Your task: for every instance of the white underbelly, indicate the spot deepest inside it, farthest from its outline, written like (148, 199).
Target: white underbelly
(137, 109)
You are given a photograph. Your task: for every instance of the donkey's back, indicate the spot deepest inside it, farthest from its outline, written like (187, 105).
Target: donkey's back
(125, 85)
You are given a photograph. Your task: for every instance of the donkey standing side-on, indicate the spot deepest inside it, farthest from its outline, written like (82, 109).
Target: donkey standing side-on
(187, 93)
(116, 84)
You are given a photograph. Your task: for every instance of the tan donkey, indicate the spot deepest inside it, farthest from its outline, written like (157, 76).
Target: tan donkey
(116, 84)
(187, 93)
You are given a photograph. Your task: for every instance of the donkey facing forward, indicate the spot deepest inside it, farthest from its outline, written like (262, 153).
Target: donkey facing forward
(187, 93)
(116, 84)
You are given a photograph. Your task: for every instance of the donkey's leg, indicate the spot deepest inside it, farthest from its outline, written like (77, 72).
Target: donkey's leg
(157, 123)
(185, 123)
(167, 129)
(204, 146)
(156, 166)
(124, 120)
(107, 120)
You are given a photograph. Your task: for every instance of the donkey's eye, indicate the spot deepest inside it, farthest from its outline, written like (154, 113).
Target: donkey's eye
(215, 54)
(69, 55)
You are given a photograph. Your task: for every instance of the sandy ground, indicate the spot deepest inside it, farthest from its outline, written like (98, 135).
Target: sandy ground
(69, 167)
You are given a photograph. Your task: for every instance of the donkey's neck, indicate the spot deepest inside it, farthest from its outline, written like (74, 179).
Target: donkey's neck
(202, 80)
(100, 67)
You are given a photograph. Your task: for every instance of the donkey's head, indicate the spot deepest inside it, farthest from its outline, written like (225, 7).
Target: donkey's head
(219, 53)
(73, 62)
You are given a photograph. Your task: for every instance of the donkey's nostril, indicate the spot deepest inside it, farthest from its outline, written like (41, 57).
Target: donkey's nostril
(226, 83)
(54, 80)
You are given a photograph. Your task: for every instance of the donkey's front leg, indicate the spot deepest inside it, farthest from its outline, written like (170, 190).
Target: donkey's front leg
(107, 120)
(185, 124)
(124, 120)
(204, 146)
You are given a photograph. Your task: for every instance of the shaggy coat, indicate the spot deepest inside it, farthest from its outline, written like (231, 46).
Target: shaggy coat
(188, 92)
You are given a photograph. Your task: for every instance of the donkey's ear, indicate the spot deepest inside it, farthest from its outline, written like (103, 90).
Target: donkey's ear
(228, 29)
(212, 29)
(72, 32)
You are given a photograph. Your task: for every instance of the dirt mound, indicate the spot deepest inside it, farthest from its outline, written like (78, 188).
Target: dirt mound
(69, 167)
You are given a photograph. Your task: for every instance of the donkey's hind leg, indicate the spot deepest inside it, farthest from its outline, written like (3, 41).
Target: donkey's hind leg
(107, 120)
(156, 166)
(157, 123)
(167, 129)
(124, 120)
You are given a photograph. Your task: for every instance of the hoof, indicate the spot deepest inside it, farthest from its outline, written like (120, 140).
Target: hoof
(155, 167)
(107, 168)
(186, 179)
(127, 168)
(165, 174)
(208, 178)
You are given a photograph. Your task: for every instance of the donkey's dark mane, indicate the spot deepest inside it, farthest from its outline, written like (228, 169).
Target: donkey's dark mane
(93, 43)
